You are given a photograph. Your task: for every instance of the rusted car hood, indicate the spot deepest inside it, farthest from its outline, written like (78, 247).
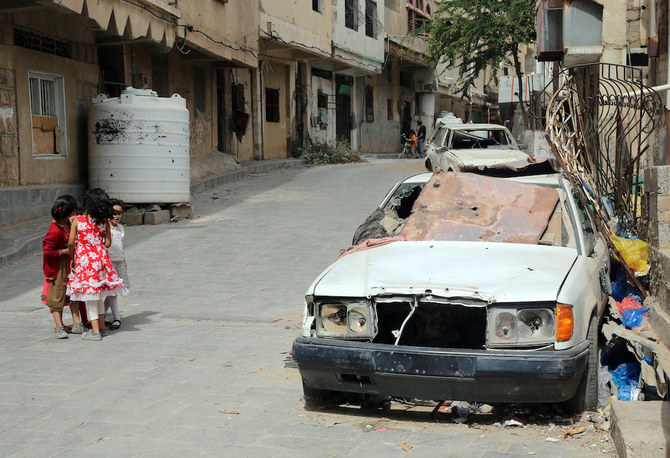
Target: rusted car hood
(482, 157)
(494, 272)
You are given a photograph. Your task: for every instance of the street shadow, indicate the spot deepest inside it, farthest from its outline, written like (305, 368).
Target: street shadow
(511, 415)
(133, 321)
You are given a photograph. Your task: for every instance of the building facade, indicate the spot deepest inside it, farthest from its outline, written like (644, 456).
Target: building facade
(261, 79)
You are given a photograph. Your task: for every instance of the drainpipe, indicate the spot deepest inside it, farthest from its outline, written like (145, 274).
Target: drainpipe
(261, 94)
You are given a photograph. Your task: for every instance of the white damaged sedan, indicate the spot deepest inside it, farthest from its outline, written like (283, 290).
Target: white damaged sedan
(491, 291)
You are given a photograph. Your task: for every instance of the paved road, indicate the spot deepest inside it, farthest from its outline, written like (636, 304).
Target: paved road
(215, 305)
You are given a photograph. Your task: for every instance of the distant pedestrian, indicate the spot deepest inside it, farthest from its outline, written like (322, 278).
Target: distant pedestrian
(421, 137)
(56, 266)
(412, 138)
(92, 277)
(118, 259)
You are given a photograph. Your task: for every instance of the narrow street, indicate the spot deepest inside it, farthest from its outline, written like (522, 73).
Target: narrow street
(201, 365)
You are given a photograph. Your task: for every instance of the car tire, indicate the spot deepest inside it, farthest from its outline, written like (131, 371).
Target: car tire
(428, 165)
(586, 397)
(315, 398)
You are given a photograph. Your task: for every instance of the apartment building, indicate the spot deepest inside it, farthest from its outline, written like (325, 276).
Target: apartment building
(261, 79)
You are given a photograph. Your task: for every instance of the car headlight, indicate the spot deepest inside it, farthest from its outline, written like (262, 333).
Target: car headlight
(523, 326)
(352, 320)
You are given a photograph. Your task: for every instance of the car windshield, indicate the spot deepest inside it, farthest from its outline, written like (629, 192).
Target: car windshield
(438, 136)
(474, 139)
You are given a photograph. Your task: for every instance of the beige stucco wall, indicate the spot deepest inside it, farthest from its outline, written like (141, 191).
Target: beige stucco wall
(80, 79)
(295, 21)
(355, 44)
(233, 27)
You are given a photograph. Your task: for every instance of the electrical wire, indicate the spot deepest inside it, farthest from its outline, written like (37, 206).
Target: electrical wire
(275, 36)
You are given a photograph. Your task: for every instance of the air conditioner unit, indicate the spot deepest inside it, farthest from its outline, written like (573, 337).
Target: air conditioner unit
(425, 87)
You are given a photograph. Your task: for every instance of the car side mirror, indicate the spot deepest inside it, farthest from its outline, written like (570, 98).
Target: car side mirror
(523, 146)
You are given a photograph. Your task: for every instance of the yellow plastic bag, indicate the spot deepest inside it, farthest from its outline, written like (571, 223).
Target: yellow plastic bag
(635, 252)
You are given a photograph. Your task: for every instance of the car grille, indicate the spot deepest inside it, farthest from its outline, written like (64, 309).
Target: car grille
(432, 325)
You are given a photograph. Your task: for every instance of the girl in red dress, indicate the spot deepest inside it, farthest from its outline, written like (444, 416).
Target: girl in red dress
(56, 266)
(92, 277)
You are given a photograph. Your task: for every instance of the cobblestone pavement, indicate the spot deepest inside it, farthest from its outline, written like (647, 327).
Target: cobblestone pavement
(201, 363)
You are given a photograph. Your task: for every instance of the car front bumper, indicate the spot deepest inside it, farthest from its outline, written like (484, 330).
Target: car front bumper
(440, 374)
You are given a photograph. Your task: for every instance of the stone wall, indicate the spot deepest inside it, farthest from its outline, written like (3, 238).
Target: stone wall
(26, 202)
(657, 203)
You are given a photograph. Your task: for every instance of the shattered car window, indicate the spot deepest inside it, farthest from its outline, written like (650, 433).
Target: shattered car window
(479, 139)
(438, 137)
(560, 230)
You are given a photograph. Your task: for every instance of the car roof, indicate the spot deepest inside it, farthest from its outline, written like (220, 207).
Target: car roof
(475, 126)
(548, 179)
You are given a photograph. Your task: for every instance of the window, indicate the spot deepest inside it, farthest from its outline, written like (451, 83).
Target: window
(417, 15)
(351, 14)
(369, 104)
(271, 105)
(322, 108)
(317, 5)
(371, 19)
(389, 109)
(47, 107)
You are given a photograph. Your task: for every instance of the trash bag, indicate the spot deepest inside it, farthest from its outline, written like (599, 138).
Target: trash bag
(634, 251)
(604, 391)
(626, 377)
(632, 318)
(620, 286)
(628, 303)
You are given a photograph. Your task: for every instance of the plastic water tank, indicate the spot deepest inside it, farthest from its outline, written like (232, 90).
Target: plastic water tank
(138, 147)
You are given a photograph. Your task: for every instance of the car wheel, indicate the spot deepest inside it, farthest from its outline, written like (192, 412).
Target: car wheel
(586, 397)
(428, 165)
(315, 398)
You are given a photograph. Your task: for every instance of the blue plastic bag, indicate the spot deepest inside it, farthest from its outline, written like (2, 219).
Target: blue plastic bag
(625, 377)
(633, 317)
(620, 286)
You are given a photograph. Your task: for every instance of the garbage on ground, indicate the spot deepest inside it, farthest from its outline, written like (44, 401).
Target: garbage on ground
(629, 357)
(405, 446)
(635, 253)
(574, 431)
(512, 422)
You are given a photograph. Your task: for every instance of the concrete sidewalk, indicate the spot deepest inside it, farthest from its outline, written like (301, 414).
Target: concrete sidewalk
(23, 239)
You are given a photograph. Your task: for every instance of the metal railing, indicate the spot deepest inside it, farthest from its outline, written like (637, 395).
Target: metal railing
(599, 124)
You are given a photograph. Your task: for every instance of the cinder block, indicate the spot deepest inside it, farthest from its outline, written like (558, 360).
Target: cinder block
(662, 179)
(182, 211)
(663, 207)
(159, 217)
(131, 219)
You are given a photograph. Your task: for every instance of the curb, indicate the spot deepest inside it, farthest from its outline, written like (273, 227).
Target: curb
(29, 244)
(638, 428)
(237, 175)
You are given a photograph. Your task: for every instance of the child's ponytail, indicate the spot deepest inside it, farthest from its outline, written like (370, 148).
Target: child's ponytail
(64, 206)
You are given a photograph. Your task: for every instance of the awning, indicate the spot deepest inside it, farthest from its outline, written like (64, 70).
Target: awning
(149, 19)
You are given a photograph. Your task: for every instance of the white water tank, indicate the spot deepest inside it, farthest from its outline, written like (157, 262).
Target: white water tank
(138, 147)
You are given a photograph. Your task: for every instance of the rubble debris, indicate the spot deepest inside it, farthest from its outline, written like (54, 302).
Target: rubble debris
(574, 431)
(405, 446)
